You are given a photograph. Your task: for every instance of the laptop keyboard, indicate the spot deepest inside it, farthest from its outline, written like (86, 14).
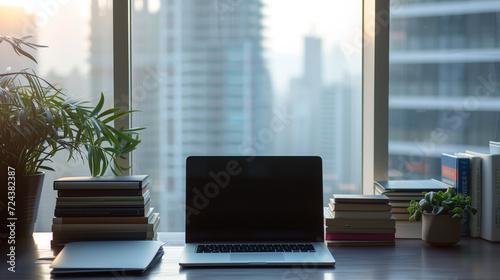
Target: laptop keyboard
(245, 248)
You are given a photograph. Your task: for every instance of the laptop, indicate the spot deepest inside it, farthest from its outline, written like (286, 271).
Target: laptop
(254, 211)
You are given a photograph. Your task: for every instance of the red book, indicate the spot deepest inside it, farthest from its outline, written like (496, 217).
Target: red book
(360, 236)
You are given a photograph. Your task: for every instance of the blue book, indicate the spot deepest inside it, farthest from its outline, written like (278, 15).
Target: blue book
(455, 171)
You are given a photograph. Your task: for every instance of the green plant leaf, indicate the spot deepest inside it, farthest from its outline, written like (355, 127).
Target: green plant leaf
(38, 120)
(418, 215)
(457, 216)
(98, 107)
(437, 210)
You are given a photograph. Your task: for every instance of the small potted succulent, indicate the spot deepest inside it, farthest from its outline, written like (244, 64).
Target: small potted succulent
(441, 214)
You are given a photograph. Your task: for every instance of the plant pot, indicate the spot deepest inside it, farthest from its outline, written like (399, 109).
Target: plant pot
(23, 203)
(440, 230)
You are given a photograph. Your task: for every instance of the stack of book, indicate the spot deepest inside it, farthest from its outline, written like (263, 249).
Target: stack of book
(359, 220)
(103, 208)
(400, 193)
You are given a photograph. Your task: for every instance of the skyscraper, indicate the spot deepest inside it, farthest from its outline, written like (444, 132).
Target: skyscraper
(213, 95)
(444, 71)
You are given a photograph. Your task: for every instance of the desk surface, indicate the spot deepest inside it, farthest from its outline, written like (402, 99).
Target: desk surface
(471, 258)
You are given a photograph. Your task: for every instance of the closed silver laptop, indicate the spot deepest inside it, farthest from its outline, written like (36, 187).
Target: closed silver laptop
(254, 211)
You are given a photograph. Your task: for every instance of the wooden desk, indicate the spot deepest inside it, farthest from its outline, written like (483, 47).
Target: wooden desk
(409, 259)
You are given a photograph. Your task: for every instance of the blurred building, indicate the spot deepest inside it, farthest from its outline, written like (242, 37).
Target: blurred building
(444, 77)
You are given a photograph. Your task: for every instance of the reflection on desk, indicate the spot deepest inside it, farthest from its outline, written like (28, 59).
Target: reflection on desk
(410, 259)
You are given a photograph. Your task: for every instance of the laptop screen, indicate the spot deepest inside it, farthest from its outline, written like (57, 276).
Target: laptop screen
(263, 198)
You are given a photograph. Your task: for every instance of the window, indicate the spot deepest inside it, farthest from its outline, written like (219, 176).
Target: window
(245, 77)
(443, 85)
(210, 77)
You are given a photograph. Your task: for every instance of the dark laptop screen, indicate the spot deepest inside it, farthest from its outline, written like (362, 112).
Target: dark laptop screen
(261, 198)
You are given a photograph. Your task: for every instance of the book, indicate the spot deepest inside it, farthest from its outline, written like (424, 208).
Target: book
(475, 192)
(144, 197)
(101, 204)
(101, 192)
(101, 212)
(58, 244)
(329, 221)
(401, 216)
(360, 236)
(355, 243)
(337, 214)
(360, 198)
(405, 198)
(359, 206)
(105, 220)
(403, 203)
(111, 201)
(395, 197)
(102, 256)
(360, 230)
(68, 236)
(409, 187)
(494, 147)
(400, 210)
(490, 199)
(154, 223)
(103, 182)
(455, 171)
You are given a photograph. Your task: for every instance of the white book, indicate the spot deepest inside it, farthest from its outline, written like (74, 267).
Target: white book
(490, 202)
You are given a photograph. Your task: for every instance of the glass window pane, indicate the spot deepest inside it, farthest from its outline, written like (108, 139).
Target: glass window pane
(78, 57)
(244, 77)
(444, 71)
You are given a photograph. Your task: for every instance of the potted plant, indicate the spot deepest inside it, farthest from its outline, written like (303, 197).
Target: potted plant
(37, 120)
(441, 214)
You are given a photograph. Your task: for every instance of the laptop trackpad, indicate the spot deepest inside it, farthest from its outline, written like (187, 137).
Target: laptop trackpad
(260, 257)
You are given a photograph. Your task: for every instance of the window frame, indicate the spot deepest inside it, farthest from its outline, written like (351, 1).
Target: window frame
(375, 79)
(375, 93)
(122, 66)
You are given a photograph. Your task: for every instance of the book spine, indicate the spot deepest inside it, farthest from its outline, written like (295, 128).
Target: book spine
(490, 205)
(360, 236)
(449, 172)
(91, 185)
(455, 171)
(361, 214)
(475, 189)
(110, 235)
(463, 188)
(112, 212)
(100, 220)
(101, 227)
